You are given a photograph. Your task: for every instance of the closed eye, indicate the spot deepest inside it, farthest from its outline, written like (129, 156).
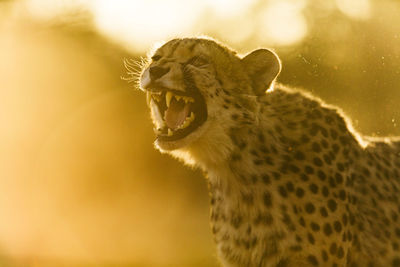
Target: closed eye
(197, 61)
(200, 61)
(156, 57)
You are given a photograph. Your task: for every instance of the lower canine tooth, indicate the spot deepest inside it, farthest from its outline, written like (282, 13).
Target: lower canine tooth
(148, 98)
(188, 99)
(187, 121)
(185, 124)
(156, 97)
(168, 97)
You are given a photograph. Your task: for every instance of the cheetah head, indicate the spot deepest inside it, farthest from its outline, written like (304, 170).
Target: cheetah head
(188, 80)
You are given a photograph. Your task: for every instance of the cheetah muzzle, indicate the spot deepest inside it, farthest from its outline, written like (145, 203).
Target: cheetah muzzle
(176, 113)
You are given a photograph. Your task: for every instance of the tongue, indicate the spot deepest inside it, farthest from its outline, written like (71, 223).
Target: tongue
(176, 114)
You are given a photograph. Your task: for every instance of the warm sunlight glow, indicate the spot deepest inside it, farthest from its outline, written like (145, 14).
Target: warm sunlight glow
(229, 8)
(137, 24)
(80, 181)
(47, 9)
(141, 23)
(237, 29)
(283, 22)
(359, 9)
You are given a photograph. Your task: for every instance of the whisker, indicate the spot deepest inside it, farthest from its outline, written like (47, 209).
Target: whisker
(134, 69)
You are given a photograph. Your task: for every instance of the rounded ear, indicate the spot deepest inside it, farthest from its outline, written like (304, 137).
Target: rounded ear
(262, 66)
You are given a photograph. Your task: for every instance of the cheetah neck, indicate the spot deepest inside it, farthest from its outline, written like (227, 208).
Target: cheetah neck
(238, 201)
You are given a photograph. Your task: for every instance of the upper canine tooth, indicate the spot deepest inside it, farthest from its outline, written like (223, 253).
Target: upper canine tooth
(148, 98)
(170, 133)
(168, 97)
(156, 97)
(158, 130)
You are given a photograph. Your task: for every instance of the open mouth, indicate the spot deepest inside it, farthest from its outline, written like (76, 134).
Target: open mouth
(176, 115)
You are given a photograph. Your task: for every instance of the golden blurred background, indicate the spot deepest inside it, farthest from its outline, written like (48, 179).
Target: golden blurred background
(80, 182)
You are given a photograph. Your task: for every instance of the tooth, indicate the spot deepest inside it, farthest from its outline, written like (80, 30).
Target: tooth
(186, 123)
(192, 116)
(156, 97)
(158, 130)
(170, 133)
(178, 97)
(148, 98)
(168, 97)
(156, 114)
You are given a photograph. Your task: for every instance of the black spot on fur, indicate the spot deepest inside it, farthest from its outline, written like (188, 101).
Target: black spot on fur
(299, 155)
(304, 177)
(342, 195)
(299, 192)
(325, 191)
(313, 260)
(295, 248)
(289, 186)
(236, 221)
(248, 199)
(337, 226)
(308, 169)
(333, 249)
(324, 255)
(310, 238)
(340, 253)
(282, 191)
(267, 199)
(309, 207)
(314, 226)
(317, 162)
(304, 139)
(313, 188)
(283, 263)
(396, 262)
(327, 228)
(315, 147)
(266, 179)
(264, 219)
(321, 175)
(323, 212)
(332, 205)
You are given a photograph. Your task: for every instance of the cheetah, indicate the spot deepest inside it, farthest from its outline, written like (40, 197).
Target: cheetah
(291, 182)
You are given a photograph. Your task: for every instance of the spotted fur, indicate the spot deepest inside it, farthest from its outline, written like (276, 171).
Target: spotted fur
(291, 183)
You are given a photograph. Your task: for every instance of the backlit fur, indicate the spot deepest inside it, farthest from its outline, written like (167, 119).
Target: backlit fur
(291, 183)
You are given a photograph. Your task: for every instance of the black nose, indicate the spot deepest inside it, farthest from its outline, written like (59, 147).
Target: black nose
(157, 72)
